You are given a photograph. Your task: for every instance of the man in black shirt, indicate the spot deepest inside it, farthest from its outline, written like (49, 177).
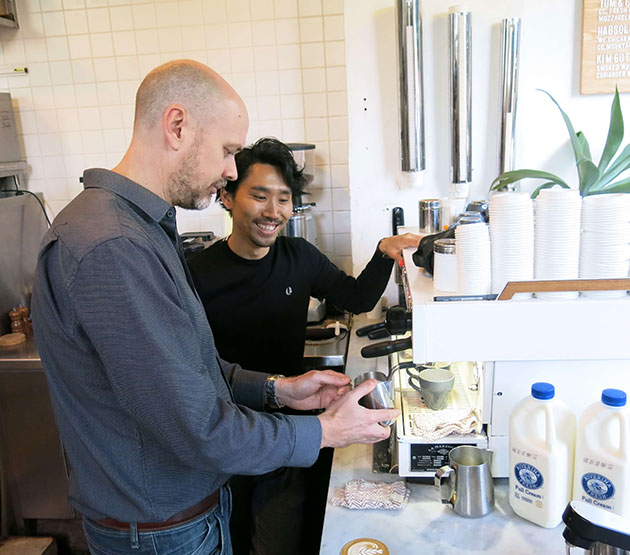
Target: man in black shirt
(256, 285)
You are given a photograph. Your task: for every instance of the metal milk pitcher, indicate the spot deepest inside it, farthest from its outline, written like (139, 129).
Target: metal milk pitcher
(466, 483)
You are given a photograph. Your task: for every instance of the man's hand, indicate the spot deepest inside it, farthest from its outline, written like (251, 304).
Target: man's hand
(314, 390)
(394, 245)
(346, 422)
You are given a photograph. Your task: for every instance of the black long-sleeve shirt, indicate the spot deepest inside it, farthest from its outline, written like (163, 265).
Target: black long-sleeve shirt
(257, 308)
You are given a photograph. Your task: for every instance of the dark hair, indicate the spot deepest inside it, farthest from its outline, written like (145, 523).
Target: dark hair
(275, 153)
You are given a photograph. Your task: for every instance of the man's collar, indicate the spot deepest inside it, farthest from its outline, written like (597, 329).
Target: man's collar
(99, 178)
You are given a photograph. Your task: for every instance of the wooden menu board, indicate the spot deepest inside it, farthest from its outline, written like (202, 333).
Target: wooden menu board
(605, 46)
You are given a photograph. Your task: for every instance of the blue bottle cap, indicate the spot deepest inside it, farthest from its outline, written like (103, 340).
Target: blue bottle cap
(543, 390)
(614, 398)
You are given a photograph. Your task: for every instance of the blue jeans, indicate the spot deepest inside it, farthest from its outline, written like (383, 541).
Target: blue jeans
(208, 534)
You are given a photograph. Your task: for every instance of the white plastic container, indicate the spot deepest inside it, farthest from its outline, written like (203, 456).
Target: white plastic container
(602, 455)
(444, 265)
(542, 440)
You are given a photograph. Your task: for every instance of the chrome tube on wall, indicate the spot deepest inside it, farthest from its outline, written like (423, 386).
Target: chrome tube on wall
(411, 86)
(510, 51)
(461, 98)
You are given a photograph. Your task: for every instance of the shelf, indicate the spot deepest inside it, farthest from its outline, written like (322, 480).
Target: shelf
(514, 330)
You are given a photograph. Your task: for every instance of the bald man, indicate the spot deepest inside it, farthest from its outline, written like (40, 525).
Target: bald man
(153, 421)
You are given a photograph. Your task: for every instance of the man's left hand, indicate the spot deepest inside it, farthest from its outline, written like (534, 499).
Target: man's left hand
(314, 390)
(394, 245)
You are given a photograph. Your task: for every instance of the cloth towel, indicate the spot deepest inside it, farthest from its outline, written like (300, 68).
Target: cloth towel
(432, 425)
(367, 494)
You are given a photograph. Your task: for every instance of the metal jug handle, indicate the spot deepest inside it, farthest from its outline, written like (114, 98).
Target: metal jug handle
(443, 484)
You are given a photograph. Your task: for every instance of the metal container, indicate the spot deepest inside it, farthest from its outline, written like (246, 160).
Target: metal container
(466, 482)
(411, 85)
(381, 397)
(302, 224)
(460, 47)
(430, 215)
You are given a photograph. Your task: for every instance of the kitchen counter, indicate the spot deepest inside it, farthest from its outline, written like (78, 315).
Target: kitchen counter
(424, 525)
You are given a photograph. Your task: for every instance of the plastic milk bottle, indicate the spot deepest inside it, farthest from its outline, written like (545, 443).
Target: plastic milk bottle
(602, 455)
(542, 440)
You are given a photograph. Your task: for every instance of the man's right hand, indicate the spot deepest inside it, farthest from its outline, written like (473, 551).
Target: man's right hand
(346, 422)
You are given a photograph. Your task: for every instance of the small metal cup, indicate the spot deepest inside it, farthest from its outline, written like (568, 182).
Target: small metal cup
(466, 482)
(381, 397)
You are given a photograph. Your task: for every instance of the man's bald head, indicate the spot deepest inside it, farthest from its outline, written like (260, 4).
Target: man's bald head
(193, 85)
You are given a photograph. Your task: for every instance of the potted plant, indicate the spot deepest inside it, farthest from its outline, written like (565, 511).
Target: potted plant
(593, 179)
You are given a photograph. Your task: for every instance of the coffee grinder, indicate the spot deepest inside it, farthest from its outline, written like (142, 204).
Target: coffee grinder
(301, 223)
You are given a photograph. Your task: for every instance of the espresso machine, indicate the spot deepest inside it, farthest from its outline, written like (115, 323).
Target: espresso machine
(498, 348)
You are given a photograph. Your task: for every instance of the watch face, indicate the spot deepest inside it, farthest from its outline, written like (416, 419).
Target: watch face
(362, 546)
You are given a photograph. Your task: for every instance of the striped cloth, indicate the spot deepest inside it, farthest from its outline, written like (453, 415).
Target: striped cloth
(367, 494)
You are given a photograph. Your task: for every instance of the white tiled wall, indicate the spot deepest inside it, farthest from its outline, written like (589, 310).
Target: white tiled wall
(86, 58)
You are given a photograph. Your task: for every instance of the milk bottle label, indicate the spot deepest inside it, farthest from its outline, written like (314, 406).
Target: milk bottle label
(528, 476)
(599, 488)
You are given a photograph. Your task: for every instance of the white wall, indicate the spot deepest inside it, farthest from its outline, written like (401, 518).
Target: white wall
(550, 59)
(86, 59)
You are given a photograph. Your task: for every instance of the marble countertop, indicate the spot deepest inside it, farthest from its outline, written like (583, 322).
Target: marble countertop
(424, 525)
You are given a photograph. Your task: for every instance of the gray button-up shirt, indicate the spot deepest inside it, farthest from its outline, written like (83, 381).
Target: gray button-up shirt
(151, 419)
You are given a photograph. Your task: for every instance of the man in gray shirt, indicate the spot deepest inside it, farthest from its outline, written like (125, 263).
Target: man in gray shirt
(153, 421)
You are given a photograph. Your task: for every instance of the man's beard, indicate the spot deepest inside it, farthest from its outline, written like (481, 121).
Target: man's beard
(185, 186)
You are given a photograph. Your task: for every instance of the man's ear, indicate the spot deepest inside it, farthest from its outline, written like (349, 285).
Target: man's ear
(226, 198)
(174, 121)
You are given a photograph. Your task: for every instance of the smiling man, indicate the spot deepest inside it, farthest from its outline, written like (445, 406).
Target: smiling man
(255, 287)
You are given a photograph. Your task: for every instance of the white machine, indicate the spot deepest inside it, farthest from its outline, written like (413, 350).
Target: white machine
(420, 458)
(580, 346)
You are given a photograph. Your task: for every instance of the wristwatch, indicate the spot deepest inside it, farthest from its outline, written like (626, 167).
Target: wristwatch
(271, 400)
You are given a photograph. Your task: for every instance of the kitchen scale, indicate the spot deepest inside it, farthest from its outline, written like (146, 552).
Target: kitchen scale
(418, 457)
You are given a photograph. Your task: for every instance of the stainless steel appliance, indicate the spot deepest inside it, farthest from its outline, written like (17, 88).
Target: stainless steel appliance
(504, 346)
(194, 241)
(327, 343)
(33, 459)
(9, 145)
(301, 223)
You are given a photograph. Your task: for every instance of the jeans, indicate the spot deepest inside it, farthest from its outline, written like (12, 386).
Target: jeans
(208, 534)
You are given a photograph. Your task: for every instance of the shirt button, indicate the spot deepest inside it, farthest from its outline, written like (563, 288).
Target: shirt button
(170, 213)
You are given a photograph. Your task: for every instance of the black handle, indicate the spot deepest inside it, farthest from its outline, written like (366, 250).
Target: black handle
(582, 532)
(363, 331)
(386, 348)
(398, 219)
(380, 333)
(398, 320)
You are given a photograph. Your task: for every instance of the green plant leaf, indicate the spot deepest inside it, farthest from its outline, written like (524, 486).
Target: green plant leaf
(620, 165)
(589, 174)
(507, 178)
(584, 143)
(618, 187)
(578, 152)
(575, 143)
(615, 133)
(547, 186)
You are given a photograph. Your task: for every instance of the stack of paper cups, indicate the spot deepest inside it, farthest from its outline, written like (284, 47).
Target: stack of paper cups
(605, 242)
(557, 246)
(472, 251)
(512, 235)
